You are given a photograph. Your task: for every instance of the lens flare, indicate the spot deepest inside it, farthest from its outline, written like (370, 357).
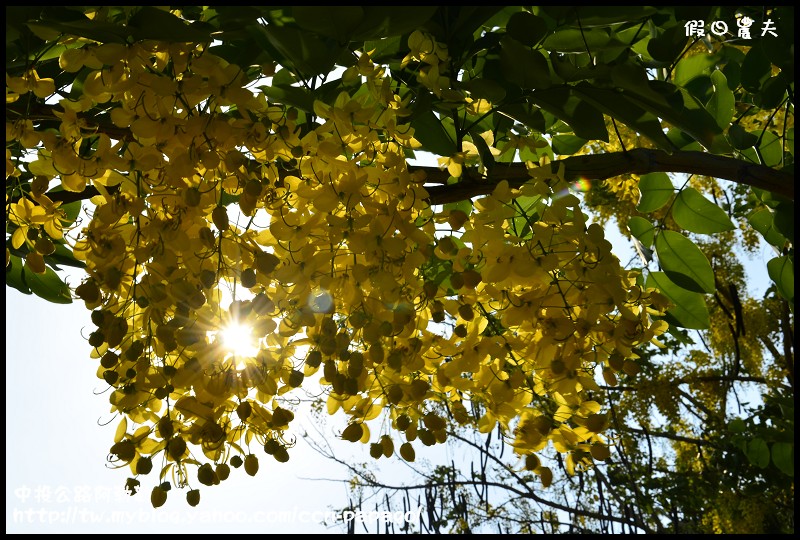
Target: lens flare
(583, 185)
(320, 301)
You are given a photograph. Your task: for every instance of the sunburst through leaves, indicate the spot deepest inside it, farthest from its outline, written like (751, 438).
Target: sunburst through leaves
(410, 313)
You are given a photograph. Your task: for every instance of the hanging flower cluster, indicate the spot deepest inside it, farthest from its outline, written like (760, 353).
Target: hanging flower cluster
(408, 315)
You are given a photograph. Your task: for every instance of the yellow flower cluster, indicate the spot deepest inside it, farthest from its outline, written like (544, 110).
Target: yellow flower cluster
(347, 273)
(433, 56)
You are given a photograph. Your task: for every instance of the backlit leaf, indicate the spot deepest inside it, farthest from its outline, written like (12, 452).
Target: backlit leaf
(431, 133)
(619, 107)
(783, 457)
(758, 453)
(655, 190)
(642, 229)
(697, 214)
(762, 221)
(524, 66)
(721, 105)
(14, 276)
(781, 270)
(784, 219)
(48, 286)
(587, 122)
(690, 67)
(684, 263)
(575, 40)
(567, 144)
(689, 309)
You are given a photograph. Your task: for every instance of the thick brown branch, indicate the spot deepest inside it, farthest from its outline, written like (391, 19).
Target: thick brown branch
(593, 167)
(596, 167)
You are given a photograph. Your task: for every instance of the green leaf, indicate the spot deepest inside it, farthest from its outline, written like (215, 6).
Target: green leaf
(667, 46)
(758, 453)
(63, 256)
(655, 190)
(756, 69)
(381, 22)
(485, 89)
(227, 199)
(153, 23)
(567, 144)
(464, 206)
(429, 131)
(684, 263)
(525, 114)
(722, 102)
(528, 211)
(72, 210)
(678, 107)
(762, 221)
(241, 53)
(462, 28)
(483, 149)
(683, 141)
(571, 70)
(290, 95)
(781, 270)
(783, 457)
(692, 67)
(104, 32)
(630, 76)
(697, 214)
(524, 66)
(784, 219)
(642, 230)
(284, 78)
(740, 138)
(770, 150)
(737, 425)
(772, 200)
(689, 309)
(601, 15)
(772, 92)
(620, 108)
(526, 28)
(385, 49)
(309, 54)
(586, 121)
(337, 22)
(732, 71)
(48, 286)
(14, 277)
(575, 40)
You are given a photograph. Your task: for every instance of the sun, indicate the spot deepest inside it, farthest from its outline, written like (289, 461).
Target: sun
(237, 338)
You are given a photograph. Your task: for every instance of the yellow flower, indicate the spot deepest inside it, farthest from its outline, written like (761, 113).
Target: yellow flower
(29, 215)
(30, 82)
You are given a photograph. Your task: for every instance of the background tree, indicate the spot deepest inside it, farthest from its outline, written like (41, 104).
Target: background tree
(427, 301)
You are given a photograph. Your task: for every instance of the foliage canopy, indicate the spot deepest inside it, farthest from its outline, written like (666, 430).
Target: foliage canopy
(253, 166)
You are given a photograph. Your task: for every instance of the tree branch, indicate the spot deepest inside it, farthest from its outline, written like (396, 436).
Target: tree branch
(595, 167)
(592, 167)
